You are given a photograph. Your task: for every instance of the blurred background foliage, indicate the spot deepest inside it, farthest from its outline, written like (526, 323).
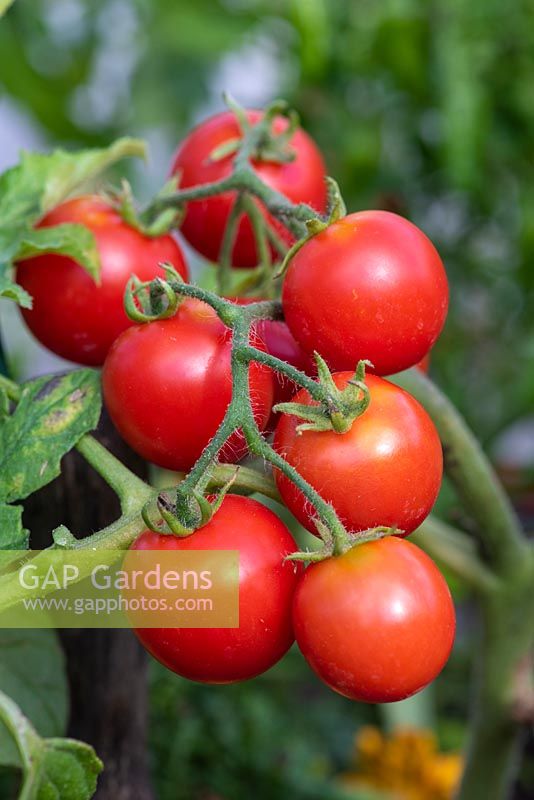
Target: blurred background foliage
(424, 107)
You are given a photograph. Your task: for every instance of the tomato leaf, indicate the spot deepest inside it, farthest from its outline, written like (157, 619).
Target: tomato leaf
(70, 771)
(52, 415)
(41, 693)
(13, 536)
(75, 241)
(37, 184)
(11, 290)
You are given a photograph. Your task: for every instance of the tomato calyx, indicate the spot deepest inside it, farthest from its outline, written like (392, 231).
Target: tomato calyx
(189, 511)
(261, 142)
(148, 301)
(336, 209)
(339, 408)
(335, 547)
(123, 201)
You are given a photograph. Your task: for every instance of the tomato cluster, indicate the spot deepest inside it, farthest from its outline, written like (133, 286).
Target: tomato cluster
(376, 622)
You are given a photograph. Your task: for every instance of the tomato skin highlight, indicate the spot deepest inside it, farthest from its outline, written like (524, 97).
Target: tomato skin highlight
(301, 180)
(167, 385)
(370, 286)
(72, 315)
(376, 624)
(386, 470)
(266, 587)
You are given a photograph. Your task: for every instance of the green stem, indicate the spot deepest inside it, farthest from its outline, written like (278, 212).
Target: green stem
(300, 378)
(260, 447)
(243, 179)
(455, 551)
(499, 531)
(227, 245)
(507, 643)
(247, 481)
(28, 744)
(130, 489)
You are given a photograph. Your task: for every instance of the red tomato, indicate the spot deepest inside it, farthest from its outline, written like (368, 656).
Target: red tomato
(301, 180)
(376, 624)
(371, 286)
(385, 471)
(72, 315)
(167, 386)
(266, 587)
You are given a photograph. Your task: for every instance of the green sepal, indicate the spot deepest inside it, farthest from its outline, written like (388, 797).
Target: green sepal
(338, 408)
(336, 209)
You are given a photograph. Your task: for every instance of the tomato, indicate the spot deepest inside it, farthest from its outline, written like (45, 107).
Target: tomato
(301, 180)
(72, 315)
(370, 286)
(167, 385)
(376, 624)
(266, 587)
(385, 471)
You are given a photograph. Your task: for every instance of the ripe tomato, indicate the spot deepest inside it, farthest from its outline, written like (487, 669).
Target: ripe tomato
(376, 624)
(301, 180)
(72, 315)
(167, 385)
(385, 471)
(266, 587)
(370, 286)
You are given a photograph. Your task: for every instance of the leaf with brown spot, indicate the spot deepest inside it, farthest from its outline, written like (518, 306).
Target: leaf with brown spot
(51, 417)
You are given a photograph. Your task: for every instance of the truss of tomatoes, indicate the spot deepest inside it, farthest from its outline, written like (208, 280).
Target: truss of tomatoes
(376, 624)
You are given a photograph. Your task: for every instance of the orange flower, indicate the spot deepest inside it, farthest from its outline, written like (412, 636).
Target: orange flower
(407, 764)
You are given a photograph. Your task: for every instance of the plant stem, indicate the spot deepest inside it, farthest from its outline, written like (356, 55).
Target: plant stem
(468, 468)
(506, 601)
(227, 245)
(247, 480)
(507, 640)
(28, 744)
(455, 551)
(130, 489)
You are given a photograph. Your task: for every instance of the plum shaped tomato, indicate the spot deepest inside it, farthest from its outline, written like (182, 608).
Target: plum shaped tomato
(376, 624)
(167, 385)
(301, 181)
(72, 315)
(266, 588)
(370, 286)
(386, 470)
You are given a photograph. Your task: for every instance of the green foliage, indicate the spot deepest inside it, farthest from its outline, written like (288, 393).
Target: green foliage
(13, 535)
(32, 673)
(32, 188)
(70, 771)
(52, 769)
(53, 413)
(252, 739)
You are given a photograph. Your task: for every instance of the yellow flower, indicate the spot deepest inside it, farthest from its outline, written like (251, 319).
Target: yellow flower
(407, 764)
